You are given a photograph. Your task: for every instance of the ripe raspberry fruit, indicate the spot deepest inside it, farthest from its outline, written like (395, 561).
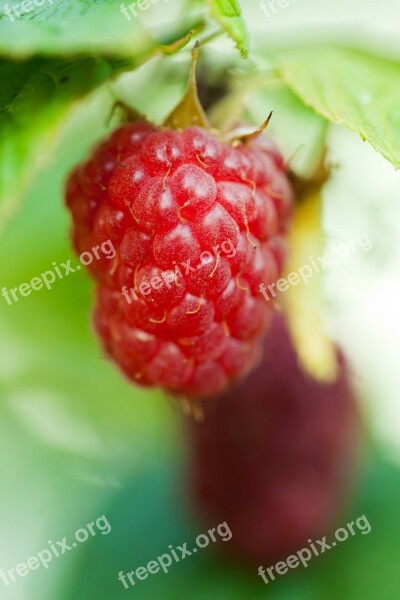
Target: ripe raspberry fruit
(197, 225)
(274, 455)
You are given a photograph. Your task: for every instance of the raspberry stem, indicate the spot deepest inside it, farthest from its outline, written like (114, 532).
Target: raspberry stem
(189, 110)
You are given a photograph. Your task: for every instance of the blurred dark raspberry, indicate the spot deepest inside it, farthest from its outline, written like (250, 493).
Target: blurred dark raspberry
(274, 455)
(197, 225)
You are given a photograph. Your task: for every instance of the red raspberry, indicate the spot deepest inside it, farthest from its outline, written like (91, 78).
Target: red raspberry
(274, 455)
(196, 224)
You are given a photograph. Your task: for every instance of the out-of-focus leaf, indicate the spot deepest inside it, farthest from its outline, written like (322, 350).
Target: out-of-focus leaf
(71, 27)
(228, 14)
(353, 88)
(302, 300)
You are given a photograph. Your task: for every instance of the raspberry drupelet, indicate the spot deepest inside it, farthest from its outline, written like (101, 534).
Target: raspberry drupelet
(197, 224)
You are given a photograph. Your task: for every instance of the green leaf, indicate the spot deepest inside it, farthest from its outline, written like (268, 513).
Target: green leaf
(228, 14)
(349, 87)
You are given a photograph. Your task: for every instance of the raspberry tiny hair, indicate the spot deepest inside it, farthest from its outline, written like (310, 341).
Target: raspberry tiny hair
(198, 221)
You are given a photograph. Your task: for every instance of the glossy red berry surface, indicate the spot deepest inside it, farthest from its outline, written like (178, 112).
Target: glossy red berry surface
(196, 225)
(274, 455)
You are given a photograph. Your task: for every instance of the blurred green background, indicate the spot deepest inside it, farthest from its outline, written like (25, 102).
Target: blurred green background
(77, 441)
